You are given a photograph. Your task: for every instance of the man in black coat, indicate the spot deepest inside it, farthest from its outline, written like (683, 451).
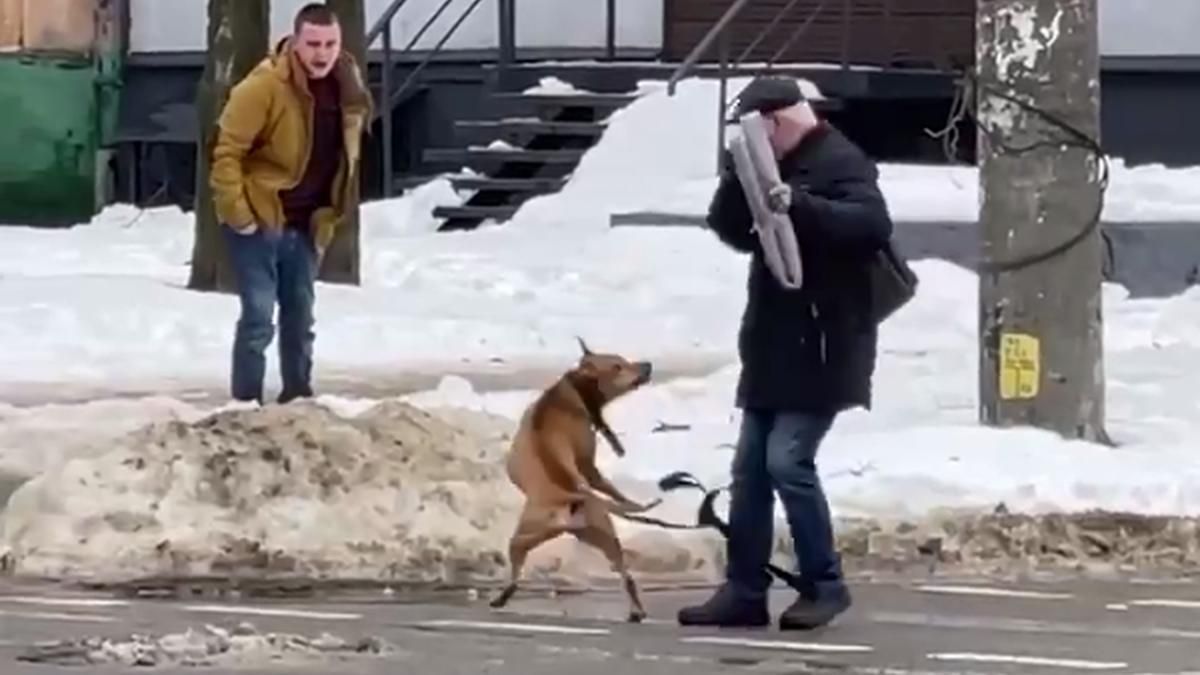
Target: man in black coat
(807, 354)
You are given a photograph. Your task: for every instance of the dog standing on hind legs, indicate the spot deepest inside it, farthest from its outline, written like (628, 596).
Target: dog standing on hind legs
(552, 461)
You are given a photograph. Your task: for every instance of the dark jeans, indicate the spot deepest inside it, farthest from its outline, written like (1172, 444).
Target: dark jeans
(271, 267)
(777, 451)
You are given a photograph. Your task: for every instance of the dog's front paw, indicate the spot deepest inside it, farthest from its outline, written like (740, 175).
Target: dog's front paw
(503, 596)
(636, 616)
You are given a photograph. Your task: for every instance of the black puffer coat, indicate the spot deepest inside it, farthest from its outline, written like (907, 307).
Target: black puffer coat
(811, 349)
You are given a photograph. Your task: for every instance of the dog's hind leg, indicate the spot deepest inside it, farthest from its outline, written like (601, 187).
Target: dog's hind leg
(536, 526)
(601, 534)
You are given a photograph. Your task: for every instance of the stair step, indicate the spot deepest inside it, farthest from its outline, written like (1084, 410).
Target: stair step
(505, 155)
(538, 126)
(507, 184)
(580, 100)
(475, 212)
(412, 180)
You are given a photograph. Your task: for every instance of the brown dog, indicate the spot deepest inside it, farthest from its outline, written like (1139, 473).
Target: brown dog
(553, 462)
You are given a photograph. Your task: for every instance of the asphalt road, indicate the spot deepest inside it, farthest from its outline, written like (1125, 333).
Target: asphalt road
(894, 627)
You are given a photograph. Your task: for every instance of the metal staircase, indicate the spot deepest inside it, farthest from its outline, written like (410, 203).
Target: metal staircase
(533, 147)
(544, 138)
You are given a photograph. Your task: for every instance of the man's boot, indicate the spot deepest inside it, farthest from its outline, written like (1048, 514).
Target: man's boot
(809, 613)
(727, 609)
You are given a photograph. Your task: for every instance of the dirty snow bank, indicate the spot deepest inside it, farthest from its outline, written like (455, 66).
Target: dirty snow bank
(334, 489)
(33, 439)
(297, 489)
(240, 645)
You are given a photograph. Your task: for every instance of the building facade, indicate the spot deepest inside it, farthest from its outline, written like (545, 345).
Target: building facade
(889, 64)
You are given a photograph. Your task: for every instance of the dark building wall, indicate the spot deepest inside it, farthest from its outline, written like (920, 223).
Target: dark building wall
(1147, 117)
(924, 33)
(1151, 116)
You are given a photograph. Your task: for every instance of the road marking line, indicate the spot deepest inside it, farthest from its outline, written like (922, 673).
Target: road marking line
(561, 614)
(57, 616)
(63, 602)
(270, 611)
(529, 627)
(995, 623)
(992, 591)
(1117, 607)
(1080, 664)
(777, 644)
(1160, 602)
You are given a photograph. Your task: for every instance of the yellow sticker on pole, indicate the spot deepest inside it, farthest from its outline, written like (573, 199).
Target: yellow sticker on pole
(1020, 366)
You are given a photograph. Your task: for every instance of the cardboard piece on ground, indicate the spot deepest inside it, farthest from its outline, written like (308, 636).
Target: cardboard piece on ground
(12, 14)
(63, 25)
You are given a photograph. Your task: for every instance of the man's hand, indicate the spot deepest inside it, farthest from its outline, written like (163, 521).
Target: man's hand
(779, 199)
(247, 230)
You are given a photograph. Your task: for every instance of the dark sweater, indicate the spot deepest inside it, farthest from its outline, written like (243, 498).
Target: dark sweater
(314, 188)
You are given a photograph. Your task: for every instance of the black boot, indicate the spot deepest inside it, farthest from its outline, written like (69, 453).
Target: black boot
(807, 613)
(727, 609)
(286, 397)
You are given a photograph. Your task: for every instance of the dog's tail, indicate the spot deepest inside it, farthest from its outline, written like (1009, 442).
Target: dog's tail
(624, 508)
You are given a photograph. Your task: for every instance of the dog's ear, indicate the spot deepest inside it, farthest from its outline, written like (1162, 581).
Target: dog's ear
(587, 368)
(583, 346)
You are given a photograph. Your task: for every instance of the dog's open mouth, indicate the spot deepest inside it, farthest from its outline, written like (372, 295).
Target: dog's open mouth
(644, 371)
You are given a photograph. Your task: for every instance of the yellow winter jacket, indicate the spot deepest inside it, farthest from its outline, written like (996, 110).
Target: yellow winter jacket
(263, 143)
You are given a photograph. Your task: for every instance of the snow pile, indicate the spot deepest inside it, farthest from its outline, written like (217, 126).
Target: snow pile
(429, 304)
(122, 240)
(660, 154)
(336, 489)
(999, 542)
(240, 645)
(951, 193)
(34, 439)
(286, 489)
(552, 86)
(657, 154)
(411, 214)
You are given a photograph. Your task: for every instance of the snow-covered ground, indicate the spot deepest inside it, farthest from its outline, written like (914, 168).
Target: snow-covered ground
(104, 306)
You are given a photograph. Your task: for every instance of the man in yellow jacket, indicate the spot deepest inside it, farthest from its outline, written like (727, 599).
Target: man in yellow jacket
(285, 166)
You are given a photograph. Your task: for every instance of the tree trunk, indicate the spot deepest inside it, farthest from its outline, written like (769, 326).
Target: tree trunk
(1041, 353)
(238, 38)
(342, 260)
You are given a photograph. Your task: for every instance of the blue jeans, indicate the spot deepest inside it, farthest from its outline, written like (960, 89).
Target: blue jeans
(776, 452)
(270, 267)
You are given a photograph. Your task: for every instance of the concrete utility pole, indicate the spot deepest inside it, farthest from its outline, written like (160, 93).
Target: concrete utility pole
(1041, 352)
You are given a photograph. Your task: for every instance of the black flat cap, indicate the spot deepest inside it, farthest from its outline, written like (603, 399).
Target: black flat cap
(765, 94)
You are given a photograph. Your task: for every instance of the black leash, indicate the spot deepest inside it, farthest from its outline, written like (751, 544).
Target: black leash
(706, 517)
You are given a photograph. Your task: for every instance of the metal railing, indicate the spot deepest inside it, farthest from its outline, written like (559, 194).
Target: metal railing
(506, 56)
(383, 28)
(718, 33)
